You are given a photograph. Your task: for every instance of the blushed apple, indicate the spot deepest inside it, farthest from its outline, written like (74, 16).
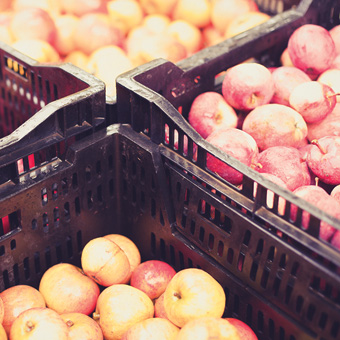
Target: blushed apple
(311, 49)
(324, 159)
(336, 62)
(66, 289)
(235, 143)
(331, 77)
(336, 192)
(247, 85)
(319, 198)
(159, 307)
(244, 331)
(274, 125)
(335, 241)
(193, 293)
(39, 323)
(329, 126)
(209, 111)
(17, 299)
(286, 78)
(313, 100)
(286, 163)
(152, 277)
(335, 34)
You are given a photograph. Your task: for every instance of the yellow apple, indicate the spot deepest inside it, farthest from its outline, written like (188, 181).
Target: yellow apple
(193, 293)
(119, 307)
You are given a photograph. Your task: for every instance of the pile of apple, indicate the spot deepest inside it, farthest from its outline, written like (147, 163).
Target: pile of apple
(109, 37)
(115, 295)
(282, 121)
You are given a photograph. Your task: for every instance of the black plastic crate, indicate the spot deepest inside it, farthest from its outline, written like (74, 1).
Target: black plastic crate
(294, 274)
(43, 108)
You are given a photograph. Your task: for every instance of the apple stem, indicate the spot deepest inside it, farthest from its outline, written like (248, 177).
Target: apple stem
(333, 95)
(177, 295)
(95, 316)
(317, 181)
(256, 165)
(29, 326)
(69, 323)
(316, 142)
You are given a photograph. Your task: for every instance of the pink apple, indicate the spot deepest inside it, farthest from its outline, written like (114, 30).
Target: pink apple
(331, 77)
(152, 277)
(286, 163)
(270, 194)
(247, 85)
(336, 192)
(329, 126)
(209, 111)
(286, 78)
(275, 124)
(244, 331)
(324, 159)
(336, 62)
(335, 241)
(311, 49)
(313, 100)
(319, 198)
(235, 143)
(335, 34)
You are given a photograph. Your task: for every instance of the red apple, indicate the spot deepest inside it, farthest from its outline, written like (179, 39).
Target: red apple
(270, 194)
(159, 307)
(319, 198)
(286, 163)
(311, 49)
(17, 299)
(235, 143)
(152, 277)
(66, 289)
(209, 111)
(82, 327)
(39, 323)
(335, 34)
(335, 241)
(329, 126)
(324, 159)
(247, 85)
(244, 331)
(274, 125)
(286, 78)
(331, 77)
(313, 100)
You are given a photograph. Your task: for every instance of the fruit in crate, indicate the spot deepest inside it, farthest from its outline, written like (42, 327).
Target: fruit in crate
(286, 78)
(244, 331)
(152, 277)
(275, 125)
(119, 307)
(236, 143)
(247, 85)
(331, 77)
(323, 159)
(286, 163)
(322, 200)
(82, 327)
(17, 299)
(311, 49)
(105, 262)
(313, 100)
(129, 248)
(209, 111)
(193, 293)
(39, 323)
(64, 287)
(205, 328)
(152, 329)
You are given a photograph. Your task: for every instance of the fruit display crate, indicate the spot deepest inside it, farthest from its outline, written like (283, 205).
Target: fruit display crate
(43, 108)
(289, 277)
